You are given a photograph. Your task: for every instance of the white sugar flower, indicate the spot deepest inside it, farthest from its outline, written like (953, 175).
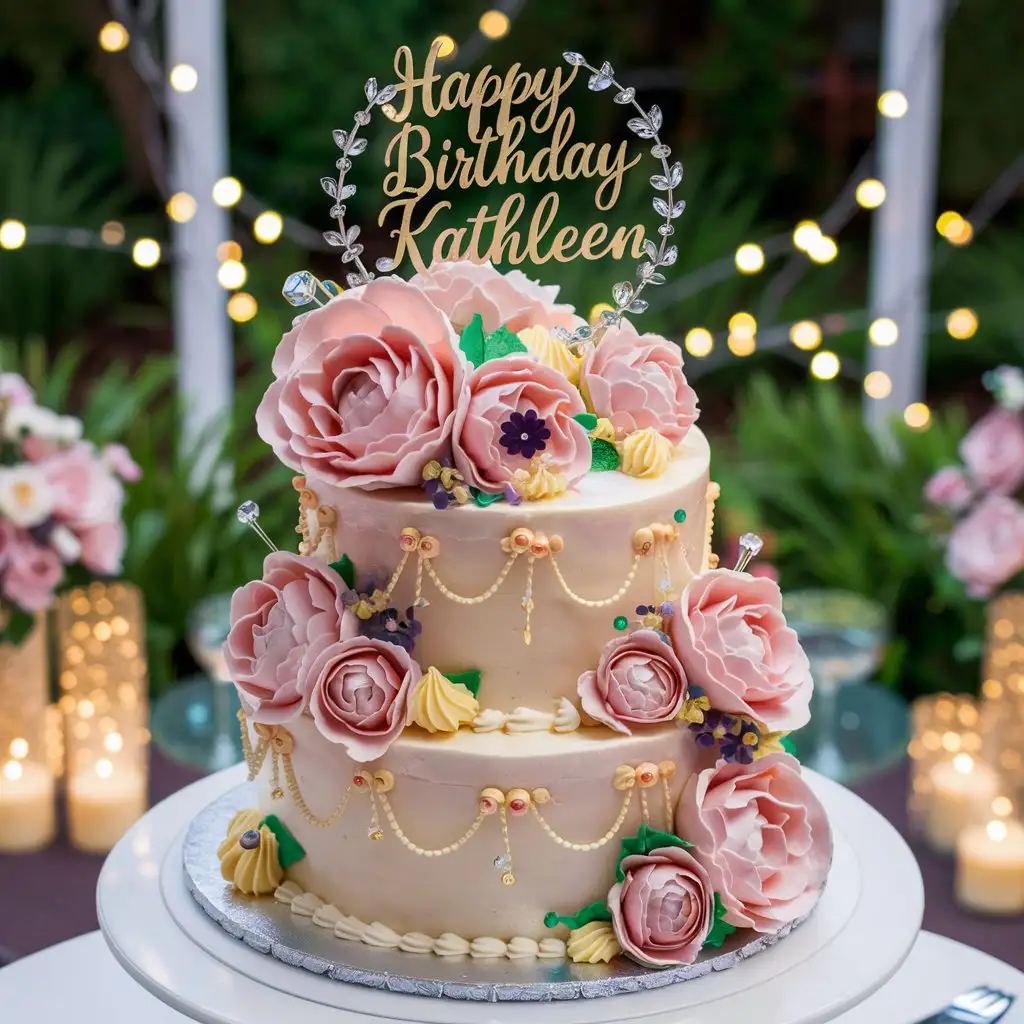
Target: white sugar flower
(65, 543)
(25, 496)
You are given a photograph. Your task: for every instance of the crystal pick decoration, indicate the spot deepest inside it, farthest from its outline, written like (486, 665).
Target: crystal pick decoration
(750, 547)
(302, 288)
(249, 514)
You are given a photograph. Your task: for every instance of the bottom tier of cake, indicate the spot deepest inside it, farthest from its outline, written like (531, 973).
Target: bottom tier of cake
(473, 836)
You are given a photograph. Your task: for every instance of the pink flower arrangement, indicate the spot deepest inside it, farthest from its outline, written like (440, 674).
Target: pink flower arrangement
(637, 382)
(664, 909)
(61, 500)
(367, 389)
(731, 636)
(763, 837)
(501, 390)
(275, 620)
(462, 289)
(358, 693)
(985, 538)
(639, 681)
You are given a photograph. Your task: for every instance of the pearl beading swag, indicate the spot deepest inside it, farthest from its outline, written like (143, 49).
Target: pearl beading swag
(277, 743)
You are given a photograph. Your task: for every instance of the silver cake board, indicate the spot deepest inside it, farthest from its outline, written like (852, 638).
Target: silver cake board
(270, 927)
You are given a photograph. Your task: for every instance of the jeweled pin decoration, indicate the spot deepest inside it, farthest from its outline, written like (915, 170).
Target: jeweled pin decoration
(750, 547)
(249, 514)
(302, 289)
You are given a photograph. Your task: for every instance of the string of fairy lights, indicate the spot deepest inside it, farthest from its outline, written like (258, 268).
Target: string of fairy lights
(813, 242)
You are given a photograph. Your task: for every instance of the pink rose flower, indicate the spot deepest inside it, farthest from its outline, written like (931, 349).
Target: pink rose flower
(986, 548)
(31, 574)
(732, 638)
(358, 693)
(639, 681)
(102, 547)
(85, 492)
(120, 461)
(367, 388)
(516, 384)
(664, 910)
(993, 452)
(274, 620)
(637, 381)
(763, 836)
(462, 288)
(950, 488)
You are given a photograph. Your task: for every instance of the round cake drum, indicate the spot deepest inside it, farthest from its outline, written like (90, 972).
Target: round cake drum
(270, 927)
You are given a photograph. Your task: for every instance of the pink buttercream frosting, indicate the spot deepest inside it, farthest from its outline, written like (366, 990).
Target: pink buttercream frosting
(358, 693)
(763, 836)
(732, 638)
(367, 389)
(462, 289)
(638, 681)
(986, 548)
(274, 620)
(637, 382)
(500, 387)
(993, 452)
(664, 910)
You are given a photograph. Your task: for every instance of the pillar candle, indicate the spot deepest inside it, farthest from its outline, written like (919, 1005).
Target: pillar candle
(990, 868)
(103, 804)
(28, 818)
(962, 791)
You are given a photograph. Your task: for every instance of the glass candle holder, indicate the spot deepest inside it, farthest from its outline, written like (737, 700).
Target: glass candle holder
(1002, 690)
(103, 678)
(28, 818)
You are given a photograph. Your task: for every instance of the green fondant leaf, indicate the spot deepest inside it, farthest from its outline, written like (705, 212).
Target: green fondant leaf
(19, 625)
(720, 930)
(594, 912)
(603, 456)
(289, 849)
(587, 419)
(788, 745)
(471, 341)
(502, 342)
(646, 840)
(483, 499)
(470, 680)
(346, 570)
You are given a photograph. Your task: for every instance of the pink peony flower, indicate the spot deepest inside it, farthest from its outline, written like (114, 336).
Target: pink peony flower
(367, 388)
(664, 910)
(512, 300)
(85, 492)
(986, 548)
(637, 381)
(763, 836)
(516, 384)
(120, 462)
(639, 681)
(31, 574)
(358, 693)
(102, 547)
(274, 620)
(950, 488)
(993, 452)
(732, 638)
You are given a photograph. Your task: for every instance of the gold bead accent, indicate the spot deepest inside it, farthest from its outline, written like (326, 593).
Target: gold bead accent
(377, 834)
(362, 780)
(667, 769)
(643, 540)
(540, 796)
(539, 547)
(518, 801)
(409, 538)
(384, 781)
(432, 470)
(647, 774)
(508, 878)
(490, 800)
(430, 547)
(624, 777)
(277, 793)
(555, 543)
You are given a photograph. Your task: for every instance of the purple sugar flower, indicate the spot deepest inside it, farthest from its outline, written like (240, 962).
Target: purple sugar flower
(524, 433)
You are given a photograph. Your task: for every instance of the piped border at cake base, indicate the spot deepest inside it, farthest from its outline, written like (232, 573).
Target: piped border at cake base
(271, 927)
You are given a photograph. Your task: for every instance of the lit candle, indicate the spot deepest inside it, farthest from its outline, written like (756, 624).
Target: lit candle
(103, 804)
(28, 819)
(962, 791)
(990, 868)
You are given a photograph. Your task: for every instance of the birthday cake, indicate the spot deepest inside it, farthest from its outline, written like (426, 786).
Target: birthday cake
(503, 701)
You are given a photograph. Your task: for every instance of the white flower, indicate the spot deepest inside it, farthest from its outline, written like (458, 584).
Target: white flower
(33, 420)
(25, 495)
(1011, 388)
(65, 543)
(69, 429)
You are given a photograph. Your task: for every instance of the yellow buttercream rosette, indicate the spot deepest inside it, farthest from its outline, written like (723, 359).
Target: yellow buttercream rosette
(593, 943)
(549, 350)
(249, 856)
(645, 454)
(439, 705)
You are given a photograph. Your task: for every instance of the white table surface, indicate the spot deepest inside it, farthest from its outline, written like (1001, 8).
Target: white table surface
(79, 980)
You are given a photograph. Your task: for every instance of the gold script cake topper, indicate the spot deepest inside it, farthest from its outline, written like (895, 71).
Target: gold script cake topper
(496, 156)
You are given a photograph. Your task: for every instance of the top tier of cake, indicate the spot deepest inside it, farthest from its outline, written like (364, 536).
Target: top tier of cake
(593, 558)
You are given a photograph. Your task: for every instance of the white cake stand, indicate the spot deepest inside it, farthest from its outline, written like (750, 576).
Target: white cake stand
(859, 934)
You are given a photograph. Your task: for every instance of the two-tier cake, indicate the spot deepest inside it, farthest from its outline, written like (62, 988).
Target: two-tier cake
(503, 702)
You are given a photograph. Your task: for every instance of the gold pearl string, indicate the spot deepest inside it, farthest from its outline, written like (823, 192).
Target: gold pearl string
(419, 850)
(645, 813)
(417, 597)
(711, 560)
(375, 832)
(300, 801)
(604, 602)
(528, 599)
(480, 598)
(397, 574)
(276, 792)
(253, 758)
(507, 876)
(627, 801)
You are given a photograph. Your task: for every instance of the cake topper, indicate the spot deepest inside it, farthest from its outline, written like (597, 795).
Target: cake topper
(419, 175)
